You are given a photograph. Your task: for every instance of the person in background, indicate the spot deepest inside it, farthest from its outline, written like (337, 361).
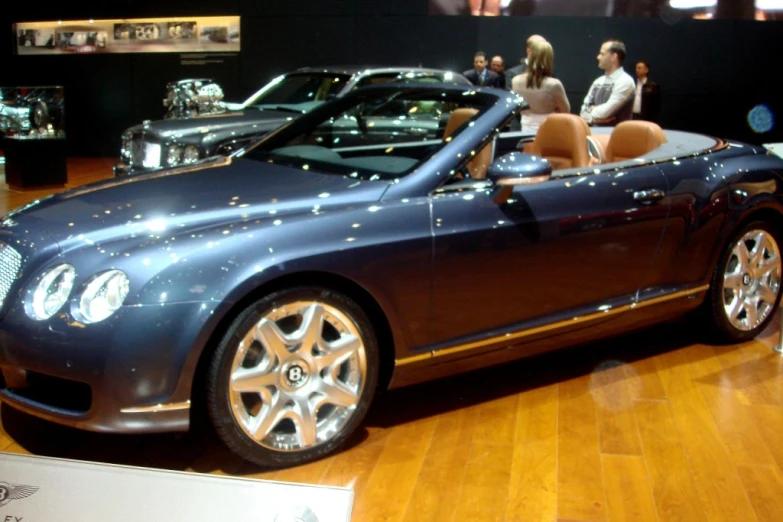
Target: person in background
(484, 7)
(520, 68)
(543, 93)
(610, 98)
(480, 75)
(498, 66)
(647, 97)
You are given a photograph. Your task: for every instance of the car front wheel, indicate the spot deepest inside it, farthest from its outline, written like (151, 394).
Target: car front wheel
(746, 285)
(293, 377)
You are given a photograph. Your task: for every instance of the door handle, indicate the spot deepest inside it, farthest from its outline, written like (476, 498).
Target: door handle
(648, 196)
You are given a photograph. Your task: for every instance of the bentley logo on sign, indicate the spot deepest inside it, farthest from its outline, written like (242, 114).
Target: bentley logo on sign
(9, 492)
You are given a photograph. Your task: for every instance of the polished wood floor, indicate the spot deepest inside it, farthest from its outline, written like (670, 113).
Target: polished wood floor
(650, 426)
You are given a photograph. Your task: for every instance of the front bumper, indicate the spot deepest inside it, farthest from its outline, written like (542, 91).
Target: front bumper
(131, 373)
(123, 169)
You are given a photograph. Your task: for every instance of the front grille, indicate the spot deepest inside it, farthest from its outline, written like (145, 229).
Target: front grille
(10, 263)
(144, 153)
(137, 150)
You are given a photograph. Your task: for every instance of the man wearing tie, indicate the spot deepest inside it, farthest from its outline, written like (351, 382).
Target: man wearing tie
(480, 75)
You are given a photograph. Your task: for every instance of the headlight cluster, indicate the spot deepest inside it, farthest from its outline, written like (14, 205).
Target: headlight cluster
(177, 154)
(101, 296)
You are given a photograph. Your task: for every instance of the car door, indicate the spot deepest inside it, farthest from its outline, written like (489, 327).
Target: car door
(567, 244)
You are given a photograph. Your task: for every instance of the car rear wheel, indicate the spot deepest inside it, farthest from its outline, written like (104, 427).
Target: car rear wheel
(746, 284)
(293, 377)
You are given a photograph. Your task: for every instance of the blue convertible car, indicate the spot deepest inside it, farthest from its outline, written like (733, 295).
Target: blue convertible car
(355, 249)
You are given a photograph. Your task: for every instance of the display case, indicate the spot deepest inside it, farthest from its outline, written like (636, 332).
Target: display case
(32, 128)
(32, 112)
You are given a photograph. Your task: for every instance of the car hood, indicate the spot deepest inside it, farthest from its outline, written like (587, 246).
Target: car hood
(187, 200)
(210, 123)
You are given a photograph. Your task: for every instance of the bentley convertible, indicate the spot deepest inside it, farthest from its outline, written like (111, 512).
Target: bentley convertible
(351, 250)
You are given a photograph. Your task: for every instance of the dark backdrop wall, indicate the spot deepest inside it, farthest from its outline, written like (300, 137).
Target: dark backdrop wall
(712, 72)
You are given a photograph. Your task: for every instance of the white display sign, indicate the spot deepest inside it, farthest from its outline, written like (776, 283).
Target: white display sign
(42, 489)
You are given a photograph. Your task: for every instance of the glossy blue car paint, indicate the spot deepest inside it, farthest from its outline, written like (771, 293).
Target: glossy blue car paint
(447, 265)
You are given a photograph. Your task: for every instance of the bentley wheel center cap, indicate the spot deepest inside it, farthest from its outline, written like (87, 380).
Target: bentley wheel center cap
(746, 280)
(296, 374)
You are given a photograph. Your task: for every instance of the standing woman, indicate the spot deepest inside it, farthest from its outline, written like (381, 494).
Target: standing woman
(540, 90)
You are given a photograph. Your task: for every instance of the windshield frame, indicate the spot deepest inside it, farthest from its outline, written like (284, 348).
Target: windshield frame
(263, 150)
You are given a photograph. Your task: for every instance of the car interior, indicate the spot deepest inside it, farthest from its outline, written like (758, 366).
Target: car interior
(383, 147)
(574, 148)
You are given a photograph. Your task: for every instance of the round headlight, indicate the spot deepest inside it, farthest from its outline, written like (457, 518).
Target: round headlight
(103, 295)
(190, 155)
(173, 154)
(51, 292)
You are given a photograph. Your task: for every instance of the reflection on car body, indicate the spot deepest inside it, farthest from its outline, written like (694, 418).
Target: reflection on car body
(282, 285)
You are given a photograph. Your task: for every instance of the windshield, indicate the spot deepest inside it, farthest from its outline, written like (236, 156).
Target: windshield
(373, 133)
(298, 91)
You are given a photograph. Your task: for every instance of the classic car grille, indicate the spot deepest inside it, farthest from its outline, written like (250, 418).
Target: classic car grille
(10, 263)
(144, 153)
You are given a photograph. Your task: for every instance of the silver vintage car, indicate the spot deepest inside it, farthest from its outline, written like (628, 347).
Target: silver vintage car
(181, 141)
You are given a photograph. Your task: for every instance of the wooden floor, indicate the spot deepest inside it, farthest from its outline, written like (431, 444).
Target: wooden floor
(650, 426)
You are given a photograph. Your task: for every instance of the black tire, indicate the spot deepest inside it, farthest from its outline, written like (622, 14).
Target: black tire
(721, 326)
(39, 114)
(297, 375)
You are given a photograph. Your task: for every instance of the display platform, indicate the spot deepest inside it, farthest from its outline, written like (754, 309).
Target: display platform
(35, 163)
(43, 489)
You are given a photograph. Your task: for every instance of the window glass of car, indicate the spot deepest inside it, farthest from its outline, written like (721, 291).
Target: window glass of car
(296, 90)
(374, 133)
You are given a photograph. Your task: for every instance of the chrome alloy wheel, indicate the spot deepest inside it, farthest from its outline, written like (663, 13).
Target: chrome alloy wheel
(751, 280)
(297, 376)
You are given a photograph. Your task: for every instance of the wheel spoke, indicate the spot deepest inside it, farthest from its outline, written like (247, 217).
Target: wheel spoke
(246, 380)
(732, 281)
(273, 340)
(767, 295)
(269, 417)
(769, 265)
(338, 352)
(743, 256)
(312, 326)
(337, 394)
(760, 246)
(751, 310)
(305, 421)
(736, 307)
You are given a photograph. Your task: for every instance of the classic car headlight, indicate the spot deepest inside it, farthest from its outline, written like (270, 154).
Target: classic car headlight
(173, 155)
(103, 295)
(51, 292)
(191, 154)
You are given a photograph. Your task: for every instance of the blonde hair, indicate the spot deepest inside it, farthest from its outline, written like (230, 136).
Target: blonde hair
(540, 64)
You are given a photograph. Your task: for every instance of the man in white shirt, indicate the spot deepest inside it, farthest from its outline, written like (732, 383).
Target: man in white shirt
(610, 98)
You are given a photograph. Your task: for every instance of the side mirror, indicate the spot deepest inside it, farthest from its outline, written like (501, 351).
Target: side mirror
(517, 168)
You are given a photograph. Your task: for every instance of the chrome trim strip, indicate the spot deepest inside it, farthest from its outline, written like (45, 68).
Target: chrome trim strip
(158, 408)
(551, 326)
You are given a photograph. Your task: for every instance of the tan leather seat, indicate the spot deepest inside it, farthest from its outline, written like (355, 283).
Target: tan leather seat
(562, 140)
(479, 165)
(634, 138)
